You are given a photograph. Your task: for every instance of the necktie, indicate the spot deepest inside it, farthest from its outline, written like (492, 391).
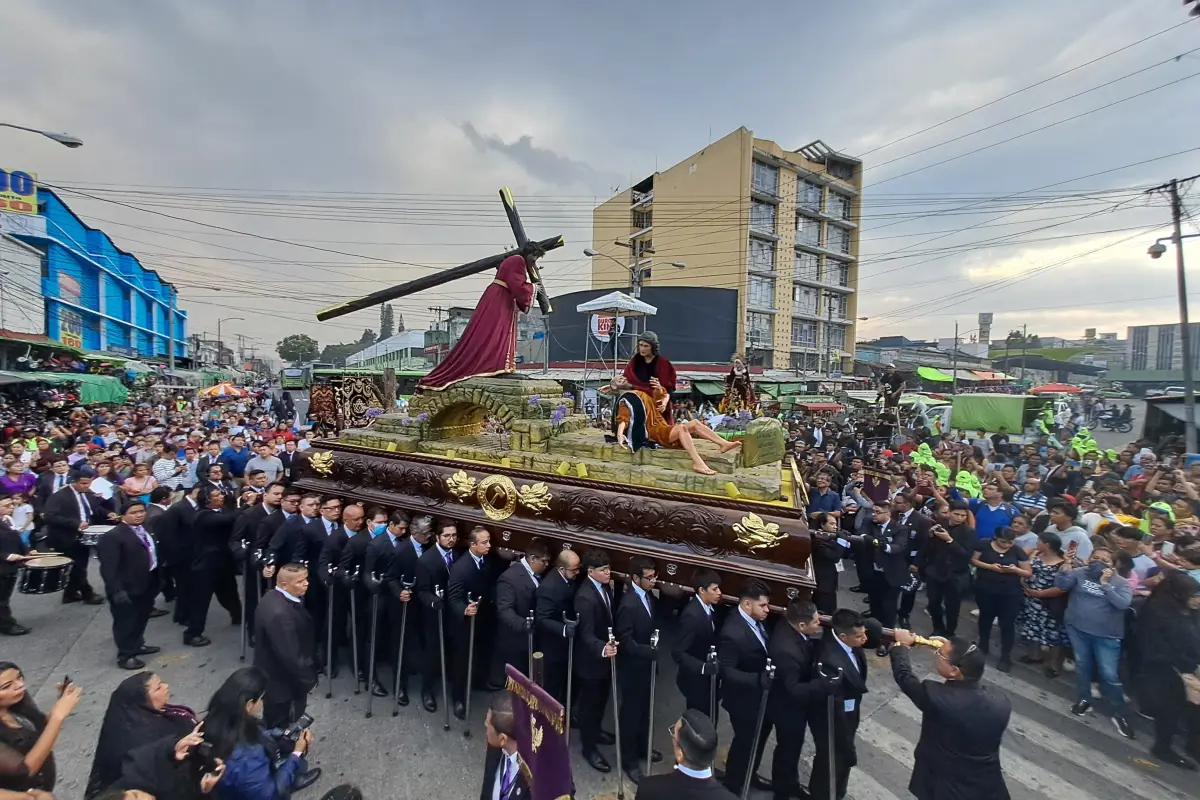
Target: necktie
(448, 559)
(85, 509)
(507, 779)
(604, 594)
(762, 632)
(148, 544)
(708, 613)
(59, 480)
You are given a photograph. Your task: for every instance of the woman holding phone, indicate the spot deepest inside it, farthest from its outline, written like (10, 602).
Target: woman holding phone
(27, 736)
(998, 591)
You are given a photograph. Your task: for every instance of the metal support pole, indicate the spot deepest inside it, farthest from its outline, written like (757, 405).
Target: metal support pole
(833, 679)
(616, 721)
(470, 666)
(405, 586)
(1189, 390)
(570, 674)
(329, 638)
(653, 683)
(762, 713)
(371, 652)
(245, 621)
(529, 642)
(441, 598)
(954, 361)
(712, 684)
(354, 625)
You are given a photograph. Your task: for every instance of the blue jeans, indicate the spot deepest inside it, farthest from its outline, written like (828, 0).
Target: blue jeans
(1097, 654)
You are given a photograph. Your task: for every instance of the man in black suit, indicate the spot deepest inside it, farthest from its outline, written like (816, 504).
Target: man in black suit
(694, 741)
(349, 582)
(593, 649)
(742, 651)
(286, 647)
(70, 511)
(289, 543)
(515, 590)
(635, 626)
(12, 555)
(245, 537)
(946, 566)
(402, 573)
(840, 651)
(373, 587)
(211, 458)
(288, 459)
(160, 501)
(50, 482)
(353, 517)
(889, 541)
(316, 534)
(211, 566)
(505, 775)
(919, 529)
(962, 723)
(129, 567)
(698, 633)
(554, 619)
(289, 507)
(433, 573)
(470, 593)
(176, 547)
(793, 651)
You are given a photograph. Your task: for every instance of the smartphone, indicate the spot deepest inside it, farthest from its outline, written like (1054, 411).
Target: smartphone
(66, 681)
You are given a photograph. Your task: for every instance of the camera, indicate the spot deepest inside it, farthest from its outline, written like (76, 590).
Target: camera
(293, 731)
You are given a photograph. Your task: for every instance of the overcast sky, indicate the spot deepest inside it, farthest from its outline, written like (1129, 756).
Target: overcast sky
(381, 130)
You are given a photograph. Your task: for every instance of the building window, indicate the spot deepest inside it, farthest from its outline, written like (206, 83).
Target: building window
(804, 299)
(839, 239)
(804, 334)
(1166, 347)
(837, 303)
(808, 266)
(758, 329)
(838, 205)
(761, 292)
(762, 255)
(762, 217)
(805, 362)
(808, 195)
(808, 230)
(643, 248)
(836, 337)
(766, 179)
(840, 170)
(642, 220)
(1138, 344)
(837, 272)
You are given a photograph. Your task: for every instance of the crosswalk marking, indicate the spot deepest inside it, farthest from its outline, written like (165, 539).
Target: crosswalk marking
(1097, 720)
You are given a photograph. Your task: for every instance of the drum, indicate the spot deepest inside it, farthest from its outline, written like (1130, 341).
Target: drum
(91, 537)
(45, 575)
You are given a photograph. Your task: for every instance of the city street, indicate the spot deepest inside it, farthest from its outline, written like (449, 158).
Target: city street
(1048, 753)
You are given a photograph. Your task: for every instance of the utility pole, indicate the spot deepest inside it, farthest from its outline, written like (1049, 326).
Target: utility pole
(1189, 392)
(546, 343)
(1024, 344)
(828, 328)
(171, 333)
(437, 326)
(954, 361)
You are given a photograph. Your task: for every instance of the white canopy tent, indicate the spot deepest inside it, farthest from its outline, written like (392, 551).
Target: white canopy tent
(620, 307)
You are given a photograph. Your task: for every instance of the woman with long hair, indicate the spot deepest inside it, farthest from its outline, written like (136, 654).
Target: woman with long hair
(27, 736)
(1169, 636)
(139, 712)
(234, 728)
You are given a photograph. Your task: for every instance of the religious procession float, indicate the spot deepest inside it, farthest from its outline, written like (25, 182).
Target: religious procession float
(481, 444)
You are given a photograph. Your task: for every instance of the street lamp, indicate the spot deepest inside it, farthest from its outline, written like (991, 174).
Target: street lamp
(220, 344)
(1156, 251)
(65, 139)
(636, 274)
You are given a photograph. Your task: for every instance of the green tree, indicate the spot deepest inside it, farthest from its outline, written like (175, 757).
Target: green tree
(387, 321)
(297, 347)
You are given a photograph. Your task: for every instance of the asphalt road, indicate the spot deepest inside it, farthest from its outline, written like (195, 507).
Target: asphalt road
(1048, 753)
(1117, 441)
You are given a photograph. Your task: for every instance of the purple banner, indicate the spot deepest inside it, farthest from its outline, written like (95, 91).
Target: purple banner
(541, 731)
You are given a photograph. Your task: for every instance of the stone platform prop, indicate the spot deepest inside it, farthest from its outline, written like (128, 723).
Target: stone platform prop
(543, 434)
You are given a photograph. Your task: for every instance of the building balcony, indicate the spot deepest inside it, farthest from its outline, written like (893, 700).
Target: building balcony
(823, 283)
(766, 194)
(641, 232)
(754, 305)
(765, 270)
(641, 199)
(763, 233)
(824, 251)
(809, 314)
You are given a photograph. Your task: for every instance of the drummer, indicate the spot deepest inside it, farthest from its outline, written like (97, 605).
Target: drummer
(13, 553)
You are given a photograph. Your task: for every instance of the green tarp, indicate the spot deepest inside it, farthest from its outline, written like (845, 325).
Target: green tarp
(93, 389)
(991, 412)
(709, 388)
(932, 374)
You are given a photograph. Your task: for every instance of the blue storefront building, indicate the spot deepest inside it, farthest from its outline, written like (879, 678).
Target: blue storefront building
(98, 297)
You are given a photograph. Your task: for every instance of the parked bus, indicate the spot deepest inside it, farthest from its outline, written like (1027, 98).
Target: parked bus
(406, 379)
(296, 377)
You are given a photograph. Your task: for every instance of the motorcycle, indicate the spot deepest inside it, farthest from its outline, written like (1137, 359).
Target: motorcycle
(1114, 422)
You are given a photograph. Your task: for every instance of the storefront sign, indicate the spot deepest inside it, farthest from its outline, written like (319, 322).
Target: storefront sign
(605, 326)
(70, 328)
(18, 191)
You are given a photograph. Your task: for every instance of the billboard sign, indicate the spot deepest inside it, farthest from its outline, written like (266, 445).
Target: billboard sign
(18, 191)
(605, 326)
(69, 288)
(70, 328)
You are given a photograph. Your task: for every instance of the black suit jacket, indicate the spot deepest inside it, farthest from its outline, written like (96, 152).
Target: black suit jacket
(289, 543)
(697, 633)
(245, 528)
(515, 592)
(674, 785)
(743, 658)
(826, 553)
(331, 553)
(175, 533)
(595, 618)
(210, 532)
(891, 551)
(555, 596)
(124, 563)
(285, 647)
(10, 544)
(62, 516)
(266, 530)
(634, 626)
(962, 724)
(491, 774)
(796, 687)
(380, 555)
(288, 460)
(851, 688)
(466, 582)
(403, 566)
(431, 573)
(43, 489)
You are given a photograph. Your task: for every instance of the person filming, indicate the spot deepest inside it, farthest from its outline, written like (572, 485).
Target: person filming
(258, 763)
(27, 736)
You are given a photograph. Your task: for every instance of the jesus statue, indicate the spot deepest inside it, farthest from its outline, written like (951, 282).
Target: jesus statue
(489, 344)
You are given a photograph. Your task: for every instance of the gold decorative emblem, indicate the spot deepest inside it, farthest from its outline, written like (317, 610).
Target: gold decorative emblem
(322, 463)
(537, 732)
(461, 485)
(497, 496)
(536, 497)
(756, 534)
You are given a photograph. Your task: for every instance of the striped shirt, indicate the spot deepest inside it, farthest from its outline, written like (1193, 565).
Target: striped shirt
(1024, 501)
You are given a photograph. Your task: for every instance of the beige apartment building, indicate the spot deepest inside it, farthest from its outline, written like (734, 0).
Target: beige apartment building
(779, 226)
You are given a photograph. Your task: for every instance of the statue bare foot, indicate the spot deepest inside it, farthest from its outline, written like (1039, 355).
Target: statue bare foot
(703, 469)
(734, 445)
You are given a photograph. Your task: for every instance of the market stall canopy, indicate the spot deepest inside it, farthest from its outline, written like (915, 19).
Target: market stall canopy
(709, 388)
(93, 389)
(617, 303)
(223, 390)
(984, 375)
(7, 378)
(933, 374)
(1055, 388)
